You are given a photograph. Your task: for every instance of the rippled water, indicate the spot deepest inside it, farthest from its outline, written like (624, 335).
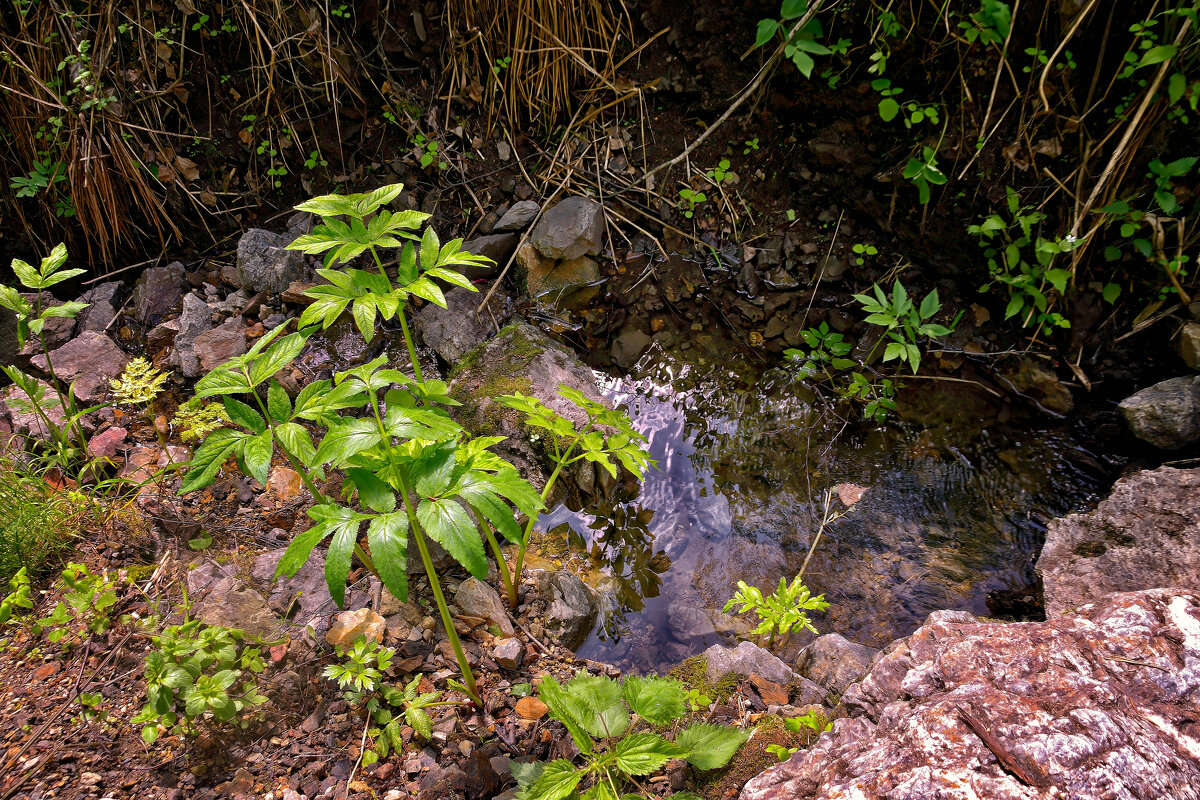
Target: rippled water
(955, 507)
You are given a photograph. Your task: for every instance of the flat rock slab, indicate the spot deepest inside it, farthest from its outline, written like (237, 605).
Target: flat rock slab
(1099, 704)
(90, 362)
(1167, 414)
(1145, 535)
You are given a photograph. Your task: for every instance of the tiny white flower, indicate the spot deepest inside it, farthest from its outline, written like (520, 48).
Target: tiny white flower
(1071, 237)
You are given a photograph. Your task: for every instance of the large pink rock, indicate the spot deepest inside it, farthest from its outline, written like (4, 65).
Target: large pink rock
(1104, 703)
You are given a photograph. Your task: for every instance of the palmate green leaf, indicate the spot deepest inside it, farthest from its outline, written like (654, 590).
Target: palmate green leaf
(643, 753)
(707, 746)
(656, 700)
(387, 537)
(216, 449)
(447, 523)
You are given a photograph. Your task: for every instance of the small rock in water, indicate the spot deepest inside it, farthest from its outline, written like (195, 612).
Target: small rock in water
(1167, 414)
(352, 625)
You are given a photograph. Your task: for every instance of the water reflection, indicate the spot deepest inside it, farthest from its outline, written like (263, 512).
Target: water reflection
(953, 509)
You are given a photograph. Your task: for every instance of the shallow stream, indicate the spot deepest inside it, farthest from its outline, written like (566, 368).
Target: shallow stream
(955, 506)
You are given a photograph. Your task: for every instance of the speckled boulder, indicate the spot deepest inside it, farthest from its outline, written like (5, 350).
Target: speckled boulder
(1099, 704)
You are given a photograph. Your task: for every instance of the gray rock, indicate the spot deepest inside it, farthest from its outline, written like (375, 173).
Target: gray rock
(689, 622)
(572, 612)
(744, 660)
(303, 598)
(101, 308)
(195, 320)
(1187, 344)
(519, 358)
(508, 653)
(214, 347)
(1167, 414)
(157, 294)
(834, 662)
(476, 599)
(571, 283)
(498, 247)
(1144, 535)
(1063, 702)
(571, 228)
(233, 604)
(519, 217)
(13, 405)
(90, 361)
(629, 346)
(457, 329)
(263, 265)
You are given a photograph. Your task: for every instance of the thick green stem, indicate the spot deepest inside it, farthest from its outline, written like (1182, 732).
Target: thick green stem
(510, 588)
(412, 351)
(519, 565)
(440, 599)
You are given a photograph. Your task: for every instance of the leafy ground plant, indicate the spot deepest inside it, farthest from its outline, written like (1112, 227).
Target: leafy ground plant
(85, 609)
(606, 438)
(607, 719)
(412, 468)
(904, 322)
(360, 676)
(780, 612)
(198, 674)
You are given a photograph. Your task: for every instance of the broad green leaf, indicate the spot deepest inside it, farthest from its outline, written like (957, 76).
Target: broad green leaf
(792, 9)
(486, 505)
(429, 249)
(656, 700)
(888, 109)
(279, 405)
(707, 746)
(558, 780)
(26, 274)
(242, 414)
(447, 523)
(387, 537)
(256, 456)
(297, 441)
(344, 524)
(1157, 55)
(301, 548)
(216, 449)
(434, 470)
(346, 440)
(930, 305)
(363, 312)
(766, 31)
(68, 310)
(1111, 292)
(279, 355)
(604, 713)
(375, 494)
(1176, 87)
(222, 381)
(643, 753)
(568, 710)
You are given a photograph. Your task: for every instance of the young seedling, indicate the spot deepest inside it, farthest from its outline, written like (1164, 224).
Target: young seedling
(780, 612)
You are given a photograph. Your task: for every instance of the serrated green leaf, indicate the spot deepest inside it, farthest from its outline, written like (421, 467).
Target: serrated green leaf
(256, 456)
(643, 753)
(347, 440)
(387, 537)
(279, 405)
(222, 381)
(216, 449)
(656, 700)
(707, 746)
(447, 523)
(242, 414)
(374, 493)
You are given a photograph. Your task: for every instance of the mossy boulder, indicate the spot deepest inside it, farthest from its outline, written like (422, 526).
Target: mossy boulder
(523, 359)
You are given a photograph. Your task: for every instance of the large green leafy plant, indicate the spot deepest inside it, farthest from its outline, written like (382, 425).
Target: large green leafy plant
(609, 722)
(412, 470)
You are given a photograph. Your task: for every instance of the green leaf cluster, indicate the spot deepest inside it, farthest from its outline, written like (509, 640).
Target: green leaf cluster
(781, 611)
(603, 718)
(904, 322)
(924, 172)
(31, 316)
(85, 609)
(360, 674)
(198, 673)
(18, 596)
(800, 46)
(827, 350)
(1022, 260)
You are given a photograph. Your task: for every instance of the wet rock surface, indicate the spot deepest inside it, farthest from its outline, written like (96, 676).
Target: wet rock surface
(1098, 704)
(1145, 535)
(157, 294)
(572, 610)
(1167, 414)
(455, 330)
(834, 662)
(569, 229)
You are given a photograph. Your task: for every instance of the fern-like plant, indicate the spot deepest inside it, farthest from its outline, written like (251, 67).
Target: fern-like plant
(780, 612)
